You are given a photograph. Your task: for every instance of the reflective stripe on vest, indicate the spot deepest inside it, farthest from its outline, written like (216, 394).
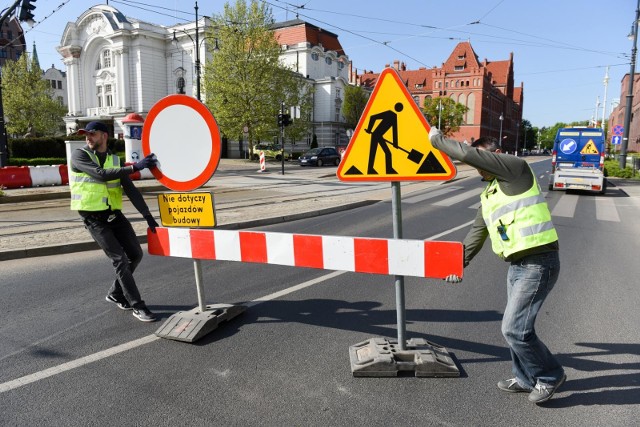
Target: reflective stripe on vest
(524, 219)
(90, 194)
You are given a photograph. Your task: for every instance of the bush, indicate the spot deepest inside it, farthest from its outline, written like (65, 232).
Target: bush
(612, 168)
(38, 161)
(34, 151)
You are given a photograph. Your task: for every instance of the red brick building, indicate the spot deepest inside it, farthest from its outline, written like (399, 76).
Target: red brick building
(617, 115)
(485, 87)
(12, 41)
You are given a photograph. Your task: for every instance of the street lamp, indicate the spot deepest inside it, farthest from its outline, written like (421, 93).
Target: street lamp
(501, 119)
(518, 136)
(627, 112)
(439, 113)
(196, 43)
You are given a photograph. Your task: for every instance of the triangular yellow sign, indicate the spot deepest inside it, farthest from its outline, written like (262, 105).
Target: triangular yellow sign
(391, 141)
(590, 148)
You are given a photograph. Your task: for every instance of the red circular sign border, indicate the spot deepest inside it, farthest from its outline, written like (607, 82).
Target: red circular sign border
(214, 131)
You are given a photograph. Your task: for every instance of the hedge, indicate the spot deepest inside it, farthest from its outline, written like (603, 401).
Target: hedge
(36, 148)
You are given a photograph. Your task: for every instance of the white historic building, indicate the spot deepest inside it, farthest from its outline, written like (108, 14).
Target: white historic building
(117, 65)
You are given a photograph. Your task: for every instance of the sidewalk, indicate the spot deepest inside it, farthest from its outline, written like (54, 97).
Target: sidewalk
(38, 222)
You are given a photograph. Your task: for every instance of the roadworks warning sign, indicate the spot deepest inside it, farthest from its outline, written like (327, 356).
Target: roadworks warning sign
(391, 140)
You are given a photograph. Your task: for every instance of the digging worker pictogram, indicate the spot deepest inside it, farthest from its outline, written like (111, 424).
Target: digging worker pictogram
(388, 120)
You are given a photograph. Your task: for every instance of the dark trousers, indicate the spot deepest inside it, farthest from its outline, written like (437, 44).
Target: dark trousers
(118, 240)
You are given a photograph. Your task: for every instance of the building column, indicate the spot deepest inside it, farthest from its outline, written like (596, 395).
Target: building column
(124, 90)
(72, 60)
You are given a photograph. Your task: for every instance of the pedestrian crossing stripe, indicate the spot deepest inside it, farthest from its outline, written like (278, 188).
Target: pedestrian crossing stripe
(391, 140)
(590, 148)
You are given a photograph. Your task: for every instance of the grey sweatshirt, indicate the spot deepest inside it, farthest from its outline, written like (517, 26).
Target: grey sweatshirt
(514, 177)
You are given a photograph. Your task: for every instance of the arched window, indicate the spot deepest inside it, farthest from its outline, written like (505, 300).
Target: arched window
(471, 102)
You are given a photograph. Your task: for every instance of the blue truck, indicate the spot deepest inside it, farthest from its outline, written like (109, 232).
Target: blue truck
(578, 160)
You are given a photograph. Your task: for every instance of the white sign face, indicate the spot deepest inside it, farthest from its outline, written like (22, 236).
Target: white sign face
(185, 138)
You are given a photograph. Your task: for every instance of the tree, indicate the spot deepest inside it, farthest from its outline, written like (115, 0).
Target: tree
(355, 101)
(27, 100)
(444, 113)
(245, 83)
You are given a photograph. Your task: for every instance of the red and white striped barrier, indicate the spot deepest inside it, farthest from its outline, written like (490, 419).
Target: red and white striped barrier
(41, 176)
(420, 258)
(263, 162)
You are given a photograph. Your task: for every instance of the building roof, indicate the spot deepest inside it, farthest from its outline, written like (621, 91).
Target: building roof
(298, 31)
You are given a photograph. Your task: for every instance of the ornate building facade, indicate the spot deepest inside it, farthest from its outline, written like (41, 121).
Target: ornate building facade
(118, 65)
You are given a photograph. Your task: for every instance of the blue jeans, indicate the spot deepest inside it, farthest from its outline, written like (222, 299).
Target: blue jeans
(119, 242)
(529, 281)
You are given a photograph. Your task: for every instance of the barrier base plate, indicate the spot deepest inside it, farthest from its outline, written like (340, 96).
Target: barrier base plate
(382, 357)
(190, 326)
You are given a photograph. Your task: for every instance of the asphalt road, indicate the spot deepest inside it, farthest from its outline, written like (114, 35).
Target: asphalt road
(70, 358)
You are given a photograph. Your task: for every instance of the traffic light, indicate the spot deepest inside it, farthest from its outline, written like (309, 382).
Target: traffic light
(26, 11)
(284, 120)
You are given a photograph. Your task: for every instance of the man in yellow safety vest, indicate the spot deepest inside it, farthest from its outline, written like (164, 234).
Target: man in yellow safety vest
(97, 181)
(515, 216)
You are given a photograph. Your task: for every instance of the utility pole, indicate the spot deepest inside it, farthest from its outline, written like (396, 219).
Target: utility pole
(604, 103)
(627, 111)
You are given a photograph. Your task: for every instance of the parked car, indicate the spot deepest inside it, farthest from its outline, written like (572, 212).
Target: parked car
(271, 151)
(320, 156)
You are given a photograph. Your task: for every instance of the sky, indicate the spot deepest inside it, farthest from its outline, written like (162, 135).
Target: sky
(561, 49)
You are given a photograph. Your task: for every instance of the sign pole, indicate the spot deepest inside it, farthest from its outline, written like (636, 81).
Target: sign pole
(396, 206)
(197, 267)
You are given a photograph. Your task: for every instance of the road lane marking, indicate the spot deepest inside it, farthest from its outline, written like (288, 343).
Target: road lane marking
(77, 363)
(566, 206)
(28, 379)
(606, 209)
(460, 197)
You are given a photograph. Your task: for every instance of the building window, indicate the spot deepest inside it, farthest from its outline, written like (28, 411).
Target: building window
(460, 57)
(328, 60)
(459, 68)
(338, 92)
(59, 84)
(60, 100)
(419, 85)
(416, 98)
(315, 56)
(340, 65)
(106, 59)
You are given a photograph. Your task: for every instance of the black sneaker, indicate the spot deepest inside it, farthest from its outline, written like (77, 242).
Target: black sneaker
(512, 386)
(120, 302)
(144, 315)
(543, 392)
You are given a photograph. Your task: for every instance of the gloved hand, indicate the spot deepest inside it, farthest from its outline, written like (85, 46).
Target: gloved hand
(433, 131)
(147, 162)
(151, 222)
(453, 278)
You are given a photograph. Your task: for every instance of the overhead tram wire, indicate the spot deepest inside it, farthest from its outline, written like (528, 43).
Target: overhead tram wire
(554, 43)
(386, 44)
(134, 5)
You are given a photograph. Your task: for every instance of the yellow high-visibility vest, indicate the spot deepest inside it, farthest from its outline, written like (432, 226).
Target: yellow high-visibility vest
(516, 223)
(90, 194)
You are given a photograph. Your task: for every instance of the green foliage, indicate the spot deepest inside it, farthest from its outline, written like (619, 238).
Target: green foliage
(36, 147)
(445, 111)
(355, 101)
(27, 98)
(612, 168)
(244, 82)
(37, 161)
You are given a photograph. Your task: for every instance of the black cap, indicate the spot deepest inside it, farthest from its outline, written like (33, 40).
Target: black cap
(91, 127)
